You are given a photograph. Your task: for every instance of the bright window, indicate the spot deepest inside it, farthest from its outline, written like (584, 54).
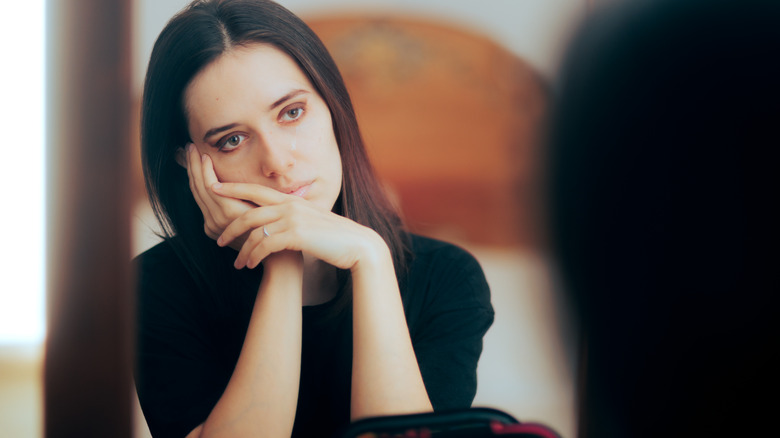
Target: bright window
(22, 177)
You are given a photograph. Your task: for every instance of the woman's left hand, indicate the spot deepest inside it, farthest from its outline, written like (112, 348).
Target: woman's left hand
(292, 223)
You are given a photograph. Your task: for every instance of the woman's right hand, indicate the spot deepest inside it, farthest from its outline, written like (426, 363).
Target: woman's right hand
(218, 211)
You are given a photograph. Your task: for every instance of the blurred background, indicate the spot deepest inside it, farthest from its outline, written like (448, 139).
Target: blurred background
(450, 96)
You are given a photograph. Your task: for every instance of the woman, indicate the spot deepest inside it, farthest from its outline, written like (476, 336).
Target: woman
(286, 298)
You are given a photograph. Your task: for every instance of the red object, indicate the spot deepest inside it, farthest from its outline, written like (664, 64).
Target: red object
(539, 430)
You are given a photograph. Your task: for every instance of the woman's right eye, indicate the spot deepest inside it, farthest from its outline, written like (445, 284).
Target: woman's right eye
(231, 142)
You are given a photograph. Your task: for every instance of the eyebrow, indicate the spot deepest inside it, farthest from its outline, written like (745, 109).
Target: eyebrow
(286, 97)
(214, 131)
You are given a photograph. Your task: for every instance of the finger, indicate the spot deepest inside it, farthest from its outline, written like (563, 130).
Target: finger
(193, 163)
(212, 214)
(203, 171)
(270, 244)
(222, 210)
(209, 174)
(255, 239)
(253, 219)
(260, 245)
(255, 193)
(256, 243)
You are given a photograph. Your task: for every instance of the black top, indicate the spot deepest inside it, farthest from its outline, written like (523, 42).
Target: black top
(189, 338)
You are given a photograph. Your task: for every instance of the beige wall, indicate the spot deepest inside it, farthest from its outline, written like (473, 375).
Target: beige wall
(535, 30)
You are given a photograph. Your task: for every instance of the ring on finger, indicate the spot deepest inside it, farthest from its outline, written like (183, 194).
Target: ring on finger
(265, 232)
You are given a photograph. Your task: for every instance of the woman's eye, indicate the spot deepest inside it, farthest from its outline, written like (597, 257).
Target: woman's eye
(292, 114)
(231, 142)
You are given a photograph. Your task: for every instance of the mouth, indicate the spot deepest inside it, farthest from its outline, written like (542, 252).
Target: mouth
(300, 190)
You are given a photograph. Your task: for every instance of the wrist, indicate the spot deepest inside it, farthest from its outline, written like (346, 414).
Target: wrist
(283, 263)
(374, 255)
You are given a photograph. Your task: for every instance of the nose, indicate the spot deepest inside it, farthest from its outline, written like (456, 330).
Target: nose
(277, 157)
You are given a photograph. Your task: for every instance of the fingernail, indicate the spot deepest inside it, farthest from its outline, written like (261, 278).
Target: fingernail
(203, 158)
(236, 264)
(216, 186)
(220, 242)
(190, 147)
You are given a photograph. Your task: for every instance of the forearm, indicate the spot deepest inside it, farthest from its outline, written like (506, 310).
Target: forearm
(261, 397)
(386, 379)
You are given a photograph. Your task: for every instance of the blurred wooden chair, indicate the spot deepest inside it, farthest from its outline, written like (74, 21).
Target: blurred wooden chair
(451, 121)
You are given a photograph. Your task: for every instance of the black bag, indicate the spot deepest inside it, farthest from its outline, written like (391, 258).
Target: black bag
(466, 423)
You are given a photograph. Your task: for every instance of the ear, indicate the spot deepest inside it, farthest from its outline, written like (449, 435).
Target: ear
(181, 157)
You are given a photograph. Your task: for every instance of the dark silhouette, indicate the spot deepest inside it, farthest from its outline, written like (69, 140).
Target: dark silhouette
(662, 187)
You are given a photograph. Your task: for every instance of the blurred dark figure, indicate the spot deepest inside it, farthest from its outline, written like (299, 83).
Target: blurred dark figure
(662, 193)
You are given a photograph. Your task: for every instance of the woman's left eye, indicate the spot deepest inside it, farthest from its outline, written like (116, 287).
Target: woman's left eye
(292, 114)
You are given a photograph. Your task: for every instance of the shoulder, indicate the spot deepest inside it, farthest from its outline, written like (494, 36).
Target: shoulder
(160, 252)
(158, 263)
(161, 275)
(166, 282)
(443, 272)
(172, 261)
(167, 275)
(432, 256)
(427, 250)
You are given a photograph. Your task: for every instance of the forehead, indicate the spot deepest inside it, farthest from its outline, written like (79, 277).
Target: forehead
(255, 74)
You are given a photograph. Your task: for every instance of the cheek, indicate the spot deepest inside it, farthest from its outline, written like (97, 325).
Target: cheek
(332, 159)
(317, 138)
(228, 171)
(338, 168)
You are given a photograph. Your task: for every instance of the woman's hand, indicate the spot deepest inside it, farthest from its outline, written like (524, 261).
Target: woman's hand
(218, 211)
(386, 378)
(287, 222)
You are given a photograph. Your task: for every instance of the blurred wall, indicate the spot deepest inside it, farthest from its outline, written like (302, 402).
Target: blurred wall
(534, 30)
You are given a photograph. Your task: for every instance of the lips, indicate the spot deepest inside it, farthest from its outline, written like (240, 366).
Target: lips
(299, 190)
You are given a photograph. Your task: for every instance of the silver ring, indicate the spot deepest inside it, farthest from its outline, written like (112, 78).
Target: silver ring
(265, 232)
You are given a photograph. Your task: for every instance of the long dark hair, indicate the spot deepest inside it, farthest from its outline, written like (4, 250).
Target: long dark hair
(193, 39)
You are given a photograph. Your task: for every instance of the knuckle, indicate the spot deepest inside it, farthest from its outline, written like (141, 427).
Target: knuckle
(222, 220)
(252, 239)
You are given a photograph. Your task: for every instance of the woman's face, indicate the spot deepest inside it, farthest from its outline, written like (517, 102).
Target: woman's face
(254, 112)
